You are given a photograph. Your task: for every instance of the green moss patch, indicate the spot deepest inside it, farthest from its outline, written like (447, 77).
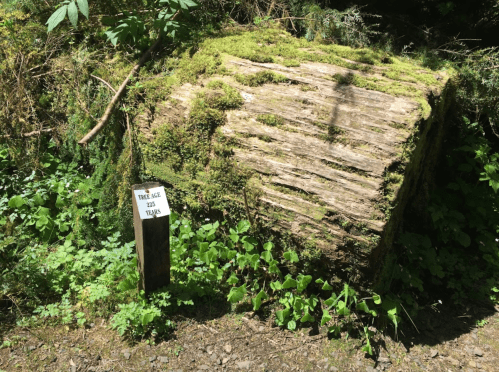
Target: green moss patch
(270, 120)
(260, 78)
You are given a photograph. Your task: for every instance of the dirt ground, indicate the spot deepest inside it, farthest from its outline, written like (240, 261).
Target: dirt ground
(464, 340)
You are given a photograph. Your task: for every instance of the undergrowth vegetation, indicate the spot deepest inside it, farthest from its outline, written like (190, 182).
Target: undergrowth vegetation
(66, 246)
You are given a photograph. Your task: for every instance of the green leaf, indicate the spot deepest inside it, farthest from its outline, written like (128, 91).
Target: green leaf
(254, 261)
(363, 306)
(273, 269)
(73, 13)
(342, 309)
(319, 281)
(268, 246)
(257, 301)
(326, 286)
(56, 17)
(291, 256)
(281, 316)
(289, 283)
(303, 282)
(42, 221)
(266, 256)
(234, 237)
(377, 299)
(291, 325)
(326, 317)
(38, 200)
(276, 286)
(237, 294)
(307, 317)
(331, 301)
(463, 238)
(187, 4)
(16, 202)
(233, 279)
(243, 226)
(146, 318)
(83, 5)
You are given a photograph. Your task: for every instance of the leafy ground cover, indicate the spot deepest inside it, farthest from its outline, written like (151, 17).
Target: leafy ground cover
(67, 258)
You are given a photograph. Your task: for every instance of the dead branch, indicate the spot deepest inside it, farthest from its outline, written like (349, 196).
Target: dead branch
(110, 107)
(30, 134)
(104, 82)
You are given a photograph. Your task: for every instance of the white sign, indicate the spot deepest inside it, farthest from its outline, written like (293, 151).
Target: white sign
(152, 203)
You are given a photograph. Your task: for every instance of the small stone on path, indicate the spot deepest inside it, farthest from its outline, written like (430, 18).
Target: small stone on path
(244, 365)
(433, 353)
(127, 355)
(204, 367)
(163, 359)
(228, 348)
(152, 359)
(478, 352)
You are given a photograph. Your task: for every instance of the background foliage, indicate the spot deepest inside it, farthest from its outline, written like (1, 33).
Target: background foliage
(69, 207)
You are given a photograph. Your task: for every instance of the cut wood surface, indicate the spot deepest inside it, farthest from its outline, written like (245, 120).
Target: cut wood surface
(323, 171)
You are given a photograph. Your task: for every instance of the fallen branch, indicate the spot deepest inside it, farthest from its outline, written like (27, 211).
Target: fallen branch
(110, 107)
(30, 134)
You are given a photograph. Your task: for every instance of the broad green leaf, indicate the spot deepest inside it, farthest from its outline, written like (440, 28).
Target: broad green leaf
(56, 17)
(38, 199)
(312, 301)
(326, 317)
(298, 304)
(42, 221)
(331, 301)
(243, 226)
(266, 256)
(291, 256)
(268, 246)
(73, 13)
(281, 316)
(273, 269)
(342, 309)
(291, 325)
(42, 211)
(463, 238)
(257, 301)
(289, 283)
(319, 281)
(233, 279)
(377, 299)
(237, 294)
(303, 282)
(326, 286)
(83, 5)
(254, 261)
(16, 202)
(146, 318)
(307, 317)
(276, 286)
(363, 306)
(187, 3)
(234, 237)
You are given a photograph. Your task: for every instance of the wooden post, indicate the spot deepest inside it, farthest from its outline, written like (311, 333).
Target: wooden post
(151, 222)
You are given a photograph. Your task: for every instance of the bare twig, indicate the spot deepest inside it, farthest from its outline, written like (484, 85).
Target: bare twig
(110, 107)
(30, 134)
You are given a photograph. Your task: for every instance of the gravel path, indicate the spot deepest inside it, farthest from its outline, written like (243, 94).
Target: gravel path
(242, 342)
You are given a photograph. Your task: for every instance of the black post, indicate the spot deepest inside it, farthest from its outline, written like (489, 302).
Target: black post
(151, 222)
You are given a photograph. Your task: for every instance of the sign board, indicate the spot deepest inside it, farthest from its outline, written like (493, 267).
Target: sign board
(151, 223)
(152, 202)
